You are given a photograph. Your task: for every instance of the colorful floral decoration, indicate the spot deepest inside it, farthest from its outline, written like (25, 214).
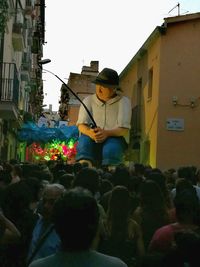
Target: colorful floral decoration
(50, 143)
(56, 150)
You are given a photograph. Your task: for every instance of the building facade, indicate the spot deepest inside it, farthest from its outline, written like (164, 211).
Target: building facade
(81, 84)
(162, 80)
(21, 89)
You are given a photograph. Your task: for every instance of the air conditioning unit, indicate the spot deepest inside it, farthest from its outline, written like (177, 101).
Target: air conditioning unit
(25, 76)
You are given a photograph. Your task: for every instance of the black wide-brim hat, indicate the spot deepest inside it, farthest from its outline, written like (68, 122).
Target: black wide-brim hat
(107, 77)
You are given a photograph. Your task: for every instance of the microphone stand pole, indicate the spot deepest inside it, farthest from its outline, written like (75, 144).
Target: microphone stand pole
(93, 125)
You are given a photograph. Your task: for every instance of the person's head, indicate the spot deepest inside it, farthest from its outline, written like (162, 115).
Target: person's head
(183, 184)
(30, 170)
(187, 207)
(16, 200)
(118, 213)
(151, 260)
(17, 170)
(134, 184)
(87, 178)
(121, 175)
(170, 178)
(151, 197)
(76, 219)
(187, 246)
(77, 167)
(66, 180)
(185, 250)
(35, 186)
(119, 203)
(13, 161)
(51, 193)
(139, 169)
(188, 173)
(5, 178)
(105, 186)
(7, 167)
(107, 83)
(159, 178)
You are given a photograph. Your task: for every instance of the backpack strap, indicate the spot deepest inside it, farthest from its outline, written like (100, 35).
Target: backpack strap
(39, 243)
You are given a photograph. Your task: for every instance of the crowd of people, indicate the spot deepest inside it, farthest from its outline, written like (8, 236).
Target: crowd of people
(56, 214)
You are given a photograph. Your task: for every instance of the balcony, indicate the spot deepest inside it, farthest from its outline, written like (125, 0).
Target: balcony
(35, 48)
(25, 71)
(17, 37)
(28, 8)
(9, 91)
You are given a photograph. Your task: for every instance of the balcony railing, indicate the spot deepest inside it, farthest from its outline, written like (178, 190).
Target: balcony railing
(9, 83)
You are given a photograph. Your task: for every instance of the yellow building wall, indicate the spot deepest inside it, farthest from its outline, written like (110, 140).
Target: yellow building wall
(179, 78)
(149, 106)
(173, 55)
(128, 87)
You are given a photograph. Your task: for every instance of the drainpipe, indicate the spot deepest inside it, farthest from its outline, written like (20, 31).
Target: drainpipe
(1, 59)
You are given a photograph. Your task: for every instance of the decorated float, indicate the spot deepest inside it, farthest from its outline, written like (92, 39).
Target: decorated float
(45, 143)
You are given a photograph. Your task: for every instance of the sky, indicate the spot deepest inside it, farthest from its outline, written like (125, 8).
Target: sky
(109, 31)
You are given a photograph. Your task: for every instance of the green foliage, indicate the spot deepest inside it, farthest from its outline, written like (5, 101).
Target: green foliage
(28, 117)
(3, 15)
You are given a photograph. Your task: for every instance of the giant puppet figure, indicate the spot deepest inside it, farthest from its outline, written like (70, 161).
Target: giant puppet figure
(111, 111)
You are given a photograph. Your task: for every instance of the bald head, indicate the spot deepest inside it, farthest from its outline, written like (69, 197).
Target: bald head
(51, 193)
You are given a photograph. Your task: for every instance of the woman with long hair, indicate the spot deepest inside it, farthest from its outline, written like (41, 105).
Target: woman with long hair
(152, 212)
(123, 238)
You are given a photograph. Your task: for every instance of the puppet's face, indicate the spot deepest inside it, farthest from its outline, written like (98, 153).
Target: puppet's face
(104, 93)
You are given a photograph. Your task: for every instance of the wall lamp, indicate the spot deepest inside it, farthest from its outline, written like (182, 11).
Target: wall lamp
(175, 100)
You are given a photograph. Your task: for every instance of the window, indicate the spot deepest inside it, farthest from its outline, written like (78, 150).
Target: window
(150, 83)
(139, 92)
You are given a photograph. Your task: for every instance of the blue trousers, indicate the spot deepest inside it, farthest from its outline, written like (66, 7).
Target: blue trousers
(110, 152)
